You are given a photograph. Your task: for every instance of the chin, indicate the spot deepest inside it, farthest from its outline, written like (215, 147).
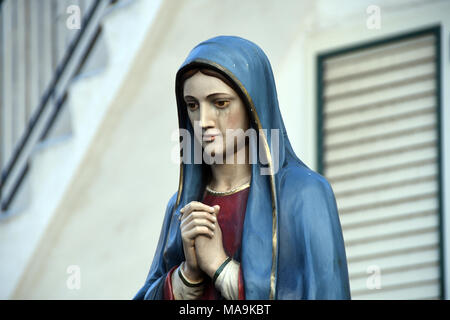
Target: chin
(214, 150)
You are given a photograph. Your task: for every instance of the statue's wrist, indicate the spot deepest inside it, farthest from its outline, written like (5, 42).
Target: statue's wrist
(192, 274)
(216, 265)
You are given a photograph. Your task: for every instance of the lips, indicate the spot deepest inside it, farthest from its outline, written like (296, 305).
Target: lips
(209, 137)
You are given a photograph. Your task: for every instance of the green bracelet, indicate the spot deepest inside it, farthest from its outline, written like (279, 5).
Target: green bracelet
(220, 269)
(187, 282)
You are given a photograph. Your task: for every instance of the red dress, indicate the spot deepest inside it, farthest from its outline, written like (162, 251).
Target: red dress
(231, 221)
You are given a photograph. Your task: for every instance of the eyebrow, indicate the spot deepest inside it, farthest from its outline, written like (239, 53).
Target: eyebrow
(212, 95)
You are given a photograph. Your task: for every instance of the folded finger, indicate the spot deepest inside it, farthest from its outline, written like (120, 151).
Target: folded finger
(196, 206)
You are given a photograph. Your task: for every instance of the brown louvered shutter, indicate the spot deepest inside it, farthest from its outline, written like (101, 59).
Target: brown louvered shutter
(380, 154)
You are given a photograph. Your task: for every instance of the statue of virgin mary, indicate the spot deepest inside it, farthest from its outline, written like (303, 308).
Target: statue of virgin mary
(263, 228)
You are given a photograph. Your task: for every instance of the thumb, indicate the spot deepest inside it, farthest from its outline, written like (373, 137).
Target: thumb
(216, 209)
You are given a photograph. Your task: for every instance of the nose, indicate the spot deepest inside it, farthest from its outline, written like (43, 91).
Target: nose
(206, 115)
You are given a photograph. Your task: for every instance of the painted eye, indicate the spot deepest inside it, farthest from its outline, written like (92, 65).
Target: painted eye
(191, 105)
(221, 103)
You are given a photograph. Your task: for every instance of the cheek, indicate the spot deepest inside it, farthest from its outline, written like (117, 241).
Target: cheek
(234, 119)
(238, 120)
(193, 117)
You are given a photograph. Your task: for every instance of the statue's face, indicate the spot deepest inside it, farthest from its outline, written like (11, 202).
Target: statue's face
(215, 108)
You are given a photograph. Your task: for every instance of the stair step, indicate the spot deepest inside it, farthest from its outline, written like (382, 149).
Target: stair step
(97, 60)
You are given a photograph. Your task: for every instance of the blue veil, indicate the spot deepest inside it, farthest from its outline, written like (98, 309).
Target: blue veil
(292, 244)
